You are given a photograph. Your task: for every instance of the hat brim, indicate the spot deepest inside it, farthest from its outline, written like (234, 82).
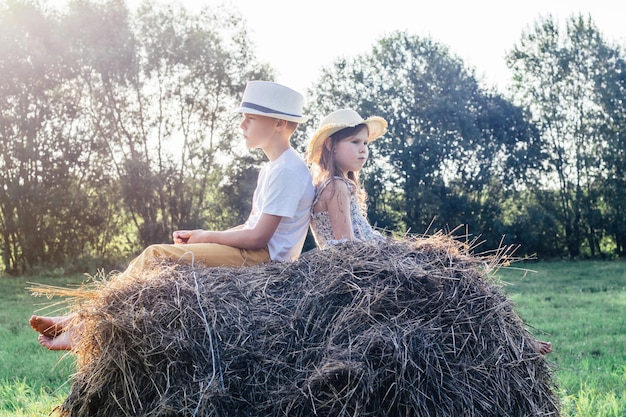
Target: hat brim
(283, 116)
(376, 125)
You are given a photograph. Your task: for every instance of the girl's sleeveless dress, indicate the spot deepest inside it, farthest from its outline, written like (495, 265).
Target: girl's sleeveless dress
(320, 221)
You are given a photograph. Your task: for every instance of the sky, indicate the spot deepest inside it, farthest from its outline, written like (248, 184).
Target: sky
(299, 37)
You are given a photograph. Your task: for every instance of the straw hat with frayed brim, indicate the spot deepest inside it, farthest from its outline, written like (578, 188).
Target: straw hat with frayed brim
(337, 121)
(271, 99)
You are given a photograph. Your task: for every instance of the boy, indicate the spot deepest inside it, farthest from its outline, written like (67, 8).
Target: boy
(279, 220)
(277, 226)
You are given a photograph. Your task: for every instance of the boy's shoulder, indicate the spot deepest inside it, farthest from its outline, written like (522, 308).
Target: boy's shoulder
(290, 158)
(289, 164)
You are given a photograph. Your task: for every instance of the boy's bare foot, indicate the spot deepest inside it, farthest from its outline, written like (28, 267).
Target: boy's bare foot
(49, 326)
(62, 341)
(544, 347)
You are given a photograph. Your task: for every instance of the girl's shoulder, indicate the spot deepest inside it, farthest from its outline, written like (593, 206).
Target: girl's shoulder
(339, 185)
(335, 181)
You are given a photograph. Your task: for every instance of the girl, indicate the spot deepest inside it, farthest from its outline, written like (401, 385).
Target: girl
(337, 152)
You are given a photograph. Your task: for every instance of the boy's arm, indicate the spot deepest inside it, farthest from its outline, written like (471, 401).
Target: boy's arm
(237, 227)
(255, 238)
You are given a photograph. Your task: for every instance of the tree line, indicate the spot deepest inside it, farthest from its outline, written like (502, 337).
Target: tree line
(116, 128)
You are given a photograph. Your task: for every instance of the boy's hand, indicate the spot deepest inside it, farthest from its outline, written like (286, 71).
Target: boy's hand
(181, 236)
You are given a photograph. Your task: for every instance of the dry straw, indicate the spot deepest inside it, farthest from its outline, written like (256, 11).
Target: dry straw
(411, 327)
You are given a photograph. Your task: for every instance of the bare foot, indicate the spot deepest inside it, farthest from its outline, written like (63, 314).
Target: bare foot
(53, 331)
(62, 341)
(544, 347)
(49, 326)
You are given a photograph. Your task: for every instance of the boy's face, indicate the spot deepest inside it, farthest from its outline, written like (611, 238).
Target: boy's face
(257, 130)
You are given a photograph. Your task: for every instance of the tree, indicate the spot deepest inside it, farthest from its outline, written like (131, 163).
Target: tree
(562, 80)
(610, 87)
(117, 128)
(169, 122)
(47, 150)
(451, 147)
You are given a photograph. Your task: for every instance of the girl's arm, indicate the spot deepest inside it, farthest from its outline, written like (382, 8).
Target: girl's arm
(337, 199)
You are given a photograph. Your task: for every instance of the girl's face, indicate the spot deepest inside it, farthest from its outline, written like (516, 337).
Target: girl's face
(351, 153)
(257, 130)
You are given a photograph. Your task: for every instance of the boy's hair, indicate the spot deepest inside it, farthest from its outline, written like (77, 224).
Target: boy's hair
(292, 126)
(328, 167)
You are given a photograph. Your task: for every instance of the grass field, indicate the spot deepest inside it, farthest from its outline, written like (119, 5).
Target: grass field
(32, 380)
(579, 306)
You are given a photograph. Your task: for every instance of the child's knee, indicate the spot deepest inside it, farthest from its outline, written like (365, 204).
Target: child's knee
(153, 251)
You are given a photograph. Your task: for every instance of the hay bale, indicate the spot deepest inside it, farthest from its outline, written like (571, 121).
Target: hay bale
(402, 328)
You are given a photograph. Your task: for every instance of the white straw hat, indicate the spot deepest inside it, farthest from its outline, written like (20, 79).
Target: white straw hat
(339, 120)
(271, 99)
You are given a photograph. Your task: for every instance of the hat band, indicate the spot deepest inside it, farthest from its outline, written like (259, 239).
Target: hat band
(267, 109)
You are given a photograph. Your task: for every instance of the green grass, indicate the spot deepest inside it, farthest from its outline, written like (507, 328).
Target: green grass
(32, 380)
(578, 306)
(581, 308)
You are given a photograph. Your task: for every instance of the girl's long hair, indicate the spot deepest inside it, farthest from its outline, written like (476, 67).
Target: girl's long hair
(327, 167)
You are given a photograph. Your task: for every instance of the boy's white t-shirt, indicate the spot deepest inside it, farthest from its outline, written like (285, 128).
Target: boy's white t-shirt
(284, 188)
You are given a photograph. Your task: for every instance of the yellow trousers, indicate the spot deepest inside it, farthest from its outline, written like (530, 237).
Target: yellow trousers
(207, 254)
